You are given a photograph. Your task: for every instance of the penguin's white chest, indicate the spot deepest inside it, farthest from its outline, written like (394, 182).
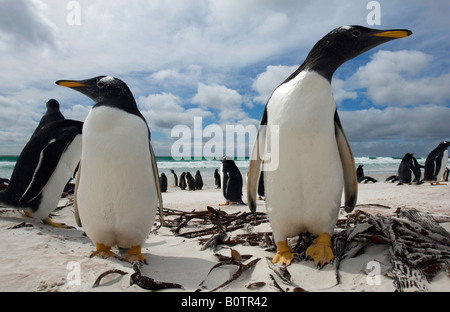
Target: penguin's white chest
(116, 195)
(304, 192)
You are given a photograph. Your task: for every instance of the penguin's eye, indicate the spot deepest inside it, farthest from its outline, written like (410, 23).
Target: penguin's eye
(356, 33)
(100, 84)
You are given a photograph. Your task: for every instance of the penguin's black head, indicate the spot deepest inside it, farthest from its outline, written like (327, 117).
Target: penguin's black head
(52, 105)
(345, 43)
(100, 89)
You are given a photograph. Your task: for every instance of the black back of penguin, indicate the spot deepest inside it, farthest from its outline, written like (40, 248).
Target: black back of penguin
(52, 114)
(51, 142)
(232, 181)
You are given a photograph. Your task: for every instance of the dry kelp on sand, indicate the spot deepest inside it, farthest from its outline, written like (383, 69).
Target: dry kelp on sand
(419, 247)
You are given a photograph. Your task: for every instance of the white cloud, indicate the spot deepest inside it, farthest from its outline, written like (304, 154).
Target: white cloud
(392, 78)
(164, 111)
(217, 97)
(266, 82)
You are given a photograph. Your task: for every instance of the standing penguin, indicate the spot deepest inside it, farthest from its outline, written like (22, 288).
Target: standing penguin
(182, 183)
(116, 147)
(173, 179)
(52, 114)
(363, 178)
(303, 192)
(217, 178)
(232, 182)
(190, 181)
(163, 182)
(405, 169)
(198, 180)
(436, 163)
(43, 168)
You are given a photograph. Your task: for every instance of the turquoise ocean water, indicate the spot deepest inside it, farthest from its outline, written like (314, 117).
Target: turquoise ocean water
(372, 166)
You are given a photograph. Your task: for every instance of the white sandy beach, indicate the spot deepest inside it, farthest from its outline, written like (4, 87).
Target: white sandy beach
(42, 258)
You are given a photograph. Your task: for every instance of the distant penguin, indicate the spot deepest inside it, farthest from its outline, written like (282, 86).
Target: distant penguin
(198, 180)
(231, 182)
(116, 147)
(217, 178)
(446, 173)
(416, 170)
(314, 162)
(361, 177)
(436, 163)
(182, 182)
(392, 179)
(52, 114)
(190, 181)
(163, 182)
(173, 179)
(405, 169)
(43, 169)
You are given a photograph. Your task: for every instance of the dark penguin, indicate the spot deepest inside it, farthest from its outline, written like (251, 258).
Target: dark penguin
(217, 178)
(190, 181)
(436, 163)
(198, 180)
(163, 182)
(392, 178)
(52, 114)
(182, 182)
(446, 173)
(361, 177)
(43, 169)
(174, 179)
(405, 169)
(231, 182)
(312, 146)
(416, 170)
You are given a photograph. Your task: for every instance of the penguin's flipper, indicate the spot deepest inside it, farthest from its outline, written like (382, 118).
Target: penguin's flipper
(75, 202)
(348, 166)
(254, 169)
(156, 177)
(48, 160)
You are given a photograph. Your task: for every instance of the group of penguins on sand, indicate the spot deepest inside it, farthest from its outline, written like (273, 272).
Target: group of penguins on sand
(409, 170)
(113, 144)
(186, 181)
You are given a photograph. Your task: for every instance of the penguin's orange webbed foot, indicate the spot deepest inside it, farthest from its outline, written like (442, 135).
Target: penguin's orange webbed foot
(134, 254)
(103, 251)
(320, 251)
(284, 255)
(225, 204)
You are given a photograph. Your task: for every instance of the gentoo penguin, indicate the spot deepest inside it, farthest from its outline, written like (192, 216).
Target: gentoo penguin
(182, 183)
(173, 179)
(446, 173)
(217, 178)
(116, 147)
(52, 114)
(190, 181)
(405, 169)
(231, 182)
(436, 163)
(416, 170)
(43, 169)
(163, 182)
(303, 186)
(361, 177)
(198, 180)
(392, 178)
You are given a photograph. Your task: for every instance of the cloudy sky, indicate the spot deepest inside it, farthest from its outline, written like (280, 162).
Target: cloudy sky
(220, 60)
